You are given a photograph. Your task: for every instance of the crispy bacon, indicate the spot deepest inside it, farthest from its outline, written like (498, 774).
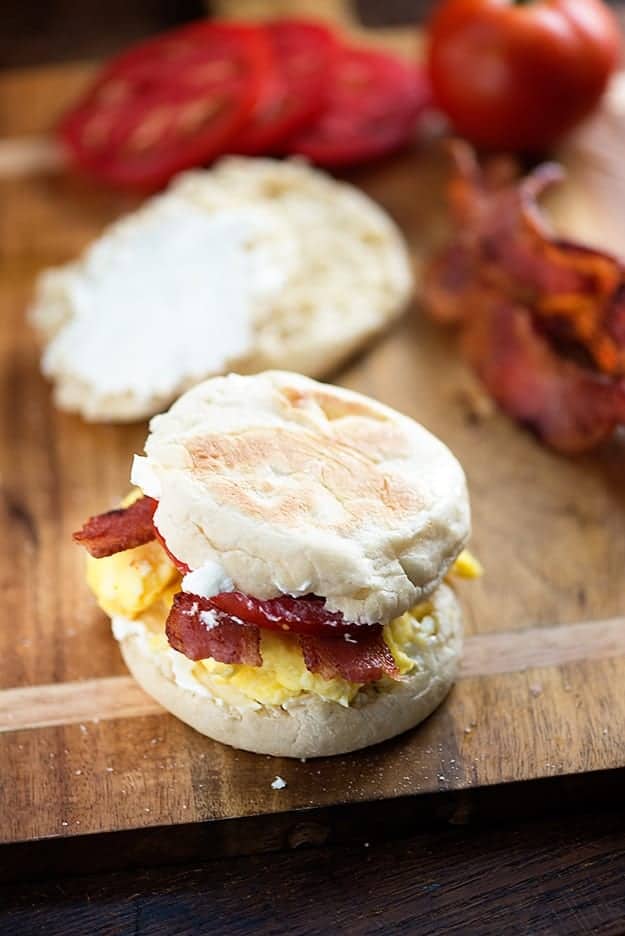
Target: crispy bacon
(117, 530)
(507, 245)
(363, 659)
(226, 627)
(543, 320)
(569, 407)
(199, 630)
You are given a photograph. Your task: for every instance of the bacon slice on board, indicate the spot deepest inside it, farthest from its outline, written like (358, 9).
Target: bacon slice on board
(543, 320)
(117, 530)
(569, 407)
(199, 630)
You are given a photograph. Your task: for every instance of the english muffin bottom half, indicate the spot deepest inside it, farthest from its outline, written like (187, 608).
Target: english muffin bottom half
(279, 577)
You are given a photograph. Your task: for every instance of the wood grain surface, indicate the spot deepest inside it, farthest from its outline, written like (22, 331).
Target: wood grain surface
(549, 531)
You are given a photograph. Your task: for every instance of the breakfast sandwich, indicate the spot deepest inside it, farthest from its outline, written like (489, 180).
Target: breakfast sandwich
(278, 577)
(308, 269)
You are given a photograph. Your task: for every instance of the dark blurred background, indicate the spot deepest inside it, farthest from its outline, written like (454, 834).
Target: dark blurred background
(35, 32)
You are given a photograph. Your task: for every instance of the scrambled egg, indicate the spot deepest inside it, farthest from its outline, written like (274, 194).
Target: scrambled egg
(282, 676)
(129, 582)
(467, 566)
(139, 585)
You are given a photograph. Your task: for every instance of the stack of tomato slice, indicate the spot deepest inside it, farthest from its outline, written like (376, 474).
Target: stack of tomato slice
(209, 88)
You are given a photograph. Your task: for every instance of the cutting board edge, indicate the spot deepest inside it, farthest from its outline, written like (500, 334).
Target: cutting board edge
(345, 824)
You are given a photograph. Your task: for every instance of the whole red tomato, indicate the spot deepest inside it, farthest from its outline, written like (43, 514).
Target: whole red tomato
(517, 75)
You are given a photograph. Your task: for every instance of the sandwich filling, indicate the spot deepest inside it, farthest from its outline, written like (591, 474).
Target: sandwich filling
(267, 651)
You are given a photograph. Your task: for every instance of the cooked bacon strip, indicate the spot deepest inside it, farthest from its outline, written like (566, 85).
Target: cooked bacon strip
(542, 320)
(331, 645)
(199, 630)
(577, 292)
(569, 407)
(363, 659)
(117, 530)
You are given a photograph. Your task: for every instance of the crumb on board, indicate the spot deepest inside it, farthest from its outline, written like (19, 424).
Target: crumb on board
(474, 402)
(536, 689)
(278, 783)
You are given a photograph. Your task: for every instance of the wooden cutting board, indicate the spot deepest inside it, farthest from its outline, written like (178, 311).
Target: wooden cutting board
(84, 751)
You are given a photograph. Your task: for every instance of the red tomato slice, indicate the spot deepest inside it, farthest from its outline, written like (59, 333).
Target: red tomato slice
(297, 91)
(182, 567)
(167, 104)
(307, 615)
(374, 103)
